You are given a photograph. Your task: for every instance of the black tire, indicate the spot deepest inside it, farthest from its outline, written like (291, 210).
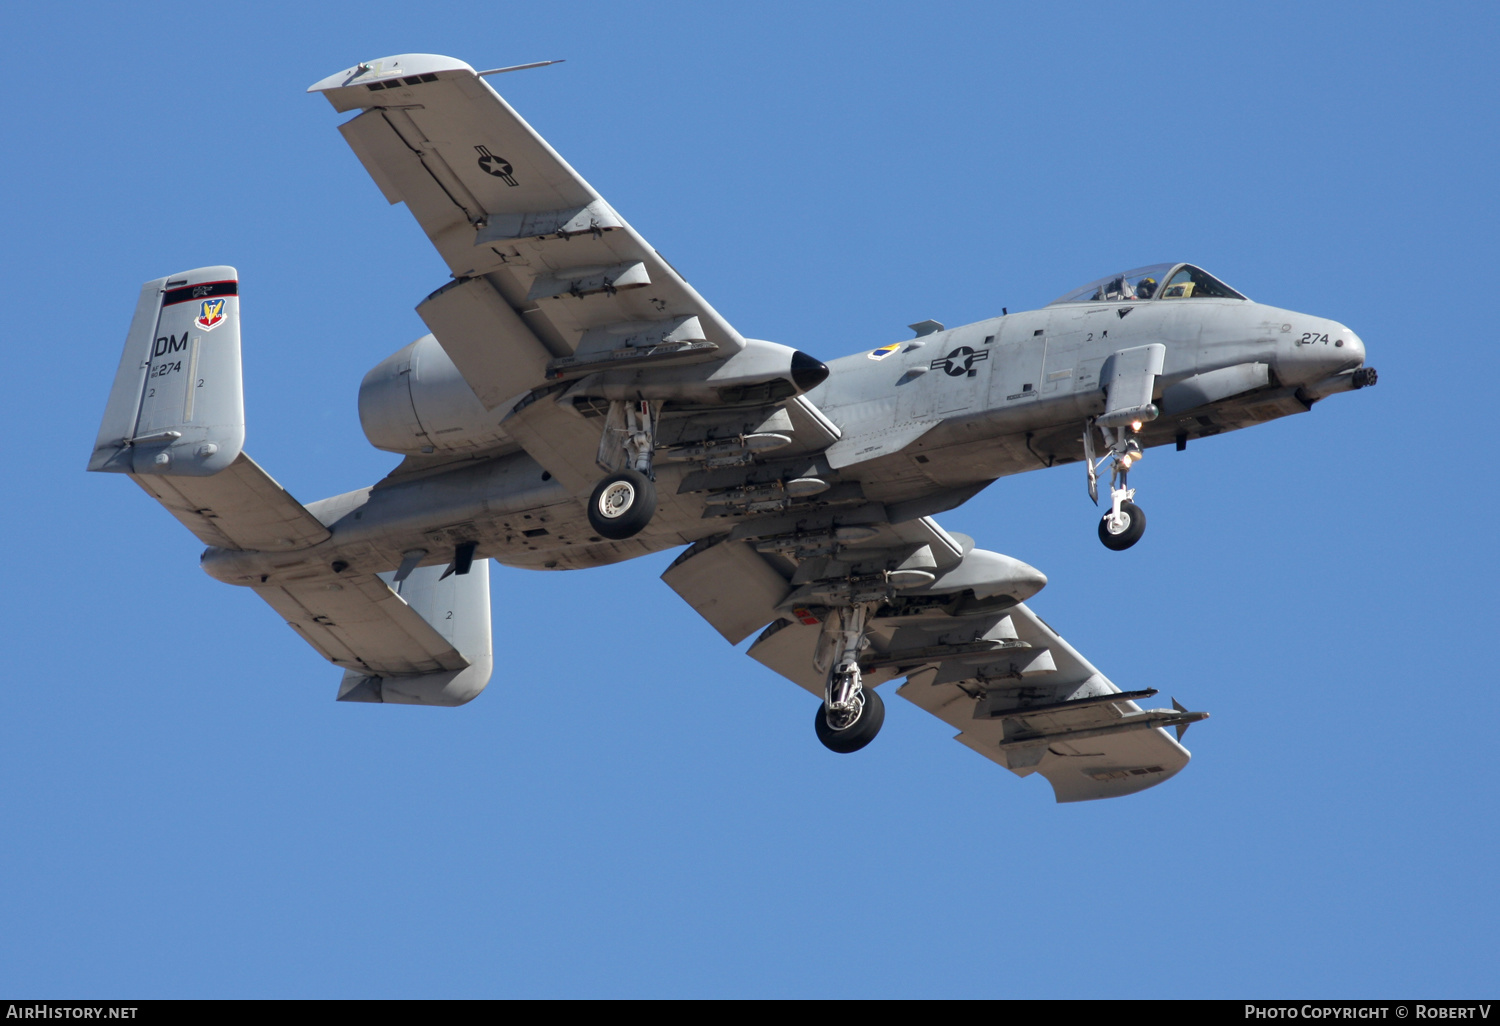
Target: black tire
(622, 505)
(1135, 526)
(858, 734)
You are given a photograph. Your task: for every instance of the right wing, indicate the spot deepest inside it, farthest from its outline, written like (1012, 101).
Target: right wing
(972, 655)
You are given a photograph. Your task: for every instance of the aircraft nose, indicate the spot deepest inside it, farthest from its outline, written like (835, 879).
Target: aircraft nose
(1316, 354)
(1354, 346)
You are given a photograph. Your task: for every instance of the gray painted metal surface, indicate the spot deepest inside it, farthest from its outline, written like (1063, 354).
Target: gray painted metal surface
(566, 352)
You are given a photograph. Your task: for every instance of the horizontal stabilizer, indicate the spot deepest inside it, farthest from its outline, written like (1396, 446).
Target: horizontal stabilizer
(241, 507)
(177, 405)
(426, 644)
(457, 605)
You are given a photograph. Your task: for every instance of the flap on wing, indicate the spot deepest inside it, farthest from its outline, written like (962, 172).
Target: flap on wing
(494, 350)
(729, 584)
(240, 507)
(562, 440)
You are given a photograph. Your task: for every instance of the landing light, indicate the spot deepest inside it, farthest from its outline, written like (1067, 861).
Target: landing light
(1135, 425)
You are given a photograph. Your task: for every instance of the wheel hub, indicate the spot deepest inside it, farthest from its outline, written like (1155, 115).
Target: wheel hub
(847, 714)
(617, 498)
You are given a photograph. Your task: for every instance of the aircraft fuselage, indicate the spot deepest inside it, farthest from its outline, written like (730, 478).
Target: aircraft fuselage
(985, 400)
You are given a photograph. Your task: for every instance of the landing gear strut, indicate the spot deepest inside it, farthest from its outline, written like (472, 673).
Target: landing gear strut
(624, 502)
(1124, 524)
(851, 714)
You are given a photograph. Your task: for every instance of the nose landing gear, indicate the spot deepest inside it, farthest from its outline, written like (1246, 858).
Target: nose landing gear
(1124, 524)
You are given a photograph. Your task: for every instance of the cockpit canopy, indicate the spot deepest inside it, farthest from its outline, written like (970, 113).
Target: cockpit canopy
(1159, 281)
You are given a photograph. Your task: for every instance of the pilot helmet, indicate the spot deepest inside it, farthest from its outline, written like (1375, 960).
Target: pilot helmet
(1145, 287)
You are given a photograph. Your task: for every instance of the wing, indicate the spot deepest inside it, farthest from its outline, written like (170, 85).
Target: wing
(557, 308)
(548, 279)
(949, 619)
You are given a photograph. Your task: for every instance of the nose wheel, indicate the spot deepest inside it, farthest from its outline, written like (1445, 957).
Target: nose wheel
(1120, 530)
(1124, 524)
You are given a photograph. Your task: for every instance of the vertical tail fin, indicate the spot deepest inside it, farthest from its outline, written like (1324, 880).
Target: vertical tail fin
(177, 406)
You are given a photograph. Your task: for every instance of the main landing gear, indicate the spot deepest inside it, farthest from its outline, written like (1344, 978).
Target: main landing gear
(856, 732)
(624, 502)
(851, 714)
(1125, 522)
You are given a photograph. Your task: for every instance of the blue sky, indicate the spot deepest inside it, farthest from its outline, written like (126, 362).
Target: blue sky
(632, 808)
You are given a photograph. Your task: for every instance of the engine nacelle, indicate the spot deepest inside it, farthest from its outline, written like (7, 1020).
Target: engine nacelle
(762, 372)
(415, 401)
(988, 575)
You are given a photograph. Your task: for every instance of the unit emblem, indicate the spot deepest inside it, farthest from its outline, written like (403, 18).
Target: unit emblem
(210, 314)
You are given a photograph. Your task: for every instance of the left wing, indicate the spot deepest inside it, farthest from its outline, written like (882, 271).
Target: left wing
(549, 281)
(948, 618)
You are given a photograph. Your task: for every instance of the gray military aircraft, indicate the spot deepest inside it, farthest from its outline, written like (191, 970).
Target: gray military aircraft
(578, 403)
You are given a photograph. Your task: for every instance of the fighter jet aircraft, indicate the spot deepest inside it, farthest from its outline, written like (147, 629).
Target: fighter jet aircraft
(578, 403)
